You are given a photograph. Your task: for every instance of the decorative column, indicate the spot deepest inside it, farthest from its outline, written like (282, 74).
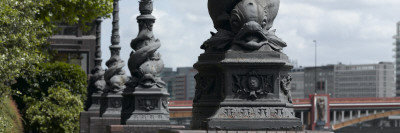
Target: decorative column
(334, 117)
(342, 114)
(146, 98)
(96, 83)
(115, 74)
(243, 81)
(351, 114)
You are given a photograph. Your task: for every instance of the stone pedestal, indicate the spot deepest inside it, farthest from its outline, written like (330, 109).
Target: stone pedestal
(150, 107)
(99, 124)
(233, 131)
(111, 105)
(140, 128)
(243, 91)
(84, 120)
(95, 106)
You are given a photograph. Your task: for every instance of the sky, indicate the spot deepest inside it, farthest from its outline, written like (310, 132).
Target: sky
(349, 32)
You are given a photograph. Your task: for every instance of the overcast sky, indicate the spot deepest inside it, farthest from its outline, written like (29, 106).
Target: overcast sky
(347, 31)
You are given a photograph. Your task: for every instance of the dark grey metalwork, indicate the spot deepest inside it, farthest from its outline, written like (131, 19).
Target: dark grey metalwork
(115, 74)
(243, 81)
(146, 98)
(97, 82)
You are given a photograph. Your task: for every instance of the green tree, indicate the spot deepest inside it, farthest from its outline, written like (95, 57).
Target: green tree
(73, 11)
(21, 41)
(51, 99)
(25, 26)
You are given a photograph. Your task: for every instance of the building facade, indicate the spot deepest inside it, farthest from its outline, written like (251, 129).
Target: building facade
(397, 56)
(319, 80)
(368, 80)
(297, 84)
(168, 76)
(74, 46)
(340, 81)
(180, 83)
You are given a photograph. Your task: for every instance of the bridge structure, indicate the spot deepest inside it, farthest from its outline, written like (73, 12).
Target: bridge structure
(321, 112)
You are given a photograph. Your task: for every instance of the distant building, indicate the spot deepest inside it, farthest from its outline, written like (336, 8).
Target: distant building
(168, 76)
(397, 56)
(366, 80)
(324, 80)
(297, 84)
(369, 80)
(74, 46)
(181, 83)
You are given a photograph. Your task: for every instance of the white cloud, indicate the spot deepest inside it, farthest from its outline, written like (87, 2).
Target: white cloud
(357, 31)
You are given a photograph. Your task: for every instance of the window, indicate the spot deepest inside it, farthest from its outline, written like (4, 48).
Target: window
(321, 85)
(78, 58)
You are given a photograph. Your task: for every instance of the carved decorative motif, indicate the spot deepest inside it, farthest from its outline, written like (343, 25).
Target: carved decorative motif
(321, 109)
(251, 85)
(147, 104)
(145, 63)
(147, 90)
(204, 85)
(255, 112)
(146, 117)
(97, 82)
(115, 103)
(165, 104)
(285, 87)
(115, 74)
(247, 27)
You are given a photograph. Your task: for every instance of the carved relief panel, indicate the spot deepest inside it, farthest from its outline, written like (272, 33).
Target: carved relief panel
(252, 85)
(147, 104)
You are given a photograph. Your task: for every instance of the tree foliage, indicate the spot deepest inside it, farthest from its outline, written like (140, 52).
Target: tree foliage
(51, 99)
(56, 113)
(21, 40)
(73, 11)
(25, 25)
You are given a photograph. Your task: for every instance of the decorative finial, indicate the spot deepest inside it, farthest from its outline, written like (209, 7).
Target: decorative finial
(146, 6)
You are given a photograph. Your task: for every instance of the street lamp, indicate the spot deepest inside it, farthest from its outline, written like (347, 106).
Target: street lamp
(315, 70)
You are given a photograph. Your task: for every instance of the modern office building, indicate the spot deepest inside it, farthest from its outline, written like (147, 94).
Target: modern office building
(397, 56)
(180, 83)
(168, 76)
(365, 80)
(297, 84)
(74, 46)
(319, 80)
